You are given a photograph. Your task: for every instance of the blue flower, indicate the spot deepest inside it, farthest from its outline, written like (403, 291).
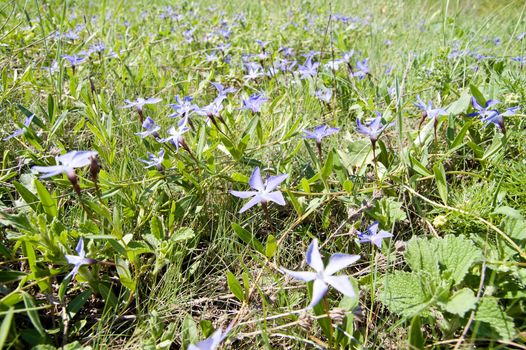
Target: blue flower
(18, 132)
(154, 160)
(496, 118)
(151, 128)
(78, 260)
(482, 112)
(140, 102)
(373, 129)
(373, 236)
(176, 135)
(183, 107)
(362, 69)
(254, 102)
(263, 193)
(320, 132)
(429, 112)
(324, 94)
(74, 60)
(309, 69)
(323, 276)
(212, 342)
(221, 90)
(66, 163)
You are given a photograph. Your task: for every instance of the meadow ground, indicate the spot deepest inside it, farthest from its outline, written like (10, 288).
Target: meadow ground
(262, 174)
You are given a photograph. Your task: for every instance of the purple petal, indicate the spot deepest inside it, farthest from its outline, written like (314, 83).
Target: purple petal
(255, 181)
(274, 181)
(339, 261)
(275, 197)
(49, 171)
(342, 284)
(373, 228)
(255, 200)
(319, 289)
(475, 104)
(313, 256)
(243, 194)
(80, 247)
(153, 100)
(305, 276)
(491, 103)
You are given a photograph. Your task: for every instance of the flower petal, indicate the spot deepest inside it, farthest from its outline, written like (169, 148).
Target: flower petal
(80, 247)
(49, 171)
(243, 194)
(373, 228)
(275, 197)
(255, 200)
(274, 181)
(314, 257)
(342, 284)
(305, 276)
(318, 291)
(255, 181)
(339, 261)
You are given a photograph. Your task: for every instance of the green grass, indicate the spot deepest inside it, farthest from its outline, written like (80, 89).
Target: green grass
(165, 241)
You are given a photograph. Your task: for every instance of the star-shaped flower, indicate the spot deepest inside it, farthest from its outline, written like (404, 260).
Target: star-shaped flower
(212, 342)
(324, 94)
(176, 135)
(485, 111)
(373, 236)
(183, 107)
(323, 276)
(78, 260)
(154, 160)
(373, 129)
(254, 102)
(263, 193)
(498, 118)
(18, 132)
(140, 102)
(151, 128)
(66, 163)
(320, 132)
(428, 109)
(308, 69)
(362, 69)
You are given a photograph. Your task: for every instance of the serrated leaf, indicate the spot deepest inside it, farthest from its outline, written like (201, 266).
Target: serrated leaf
(456, 255)
(404, 294)
(461, 302)
(490, 312)
(235, 286)
(421, 255)
(182, 234)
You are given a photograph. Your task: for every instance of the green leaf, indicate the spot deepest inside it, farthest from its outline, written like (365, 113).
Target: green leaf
(33, 314)
(125, 276)
(189, 332)
(6, 326)
(456, 255)
(416, 338)
(182, 234)
(26, 195)
(76, 304)
(491, 313)
(235, 286)
(156, 228)
(418, 167)
(11, 276)
(271, 246)
(461, 302)
(421, 255)
(509, 212)
(477, 94)
(441, 181)
(327, 168)
(404, 294)
(460, 105)
(248, 238)
(48, 203)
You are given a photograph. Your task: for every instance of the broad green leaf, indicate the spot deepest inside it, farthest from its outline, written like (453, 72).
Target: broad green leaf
(460, 105)
(461, 302)
(48, 203)
(441, 181)
(271, 246)
(235, 286)
(26, 195)
(477, 94)
(248, 238)
(156, 228)
(509, 212)
(456, 255)
(189, 332)
(11, 276)
(78, 302)
(490, 312)
(125, 276)
(404, 294)
(327, 168)
(182, 234)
